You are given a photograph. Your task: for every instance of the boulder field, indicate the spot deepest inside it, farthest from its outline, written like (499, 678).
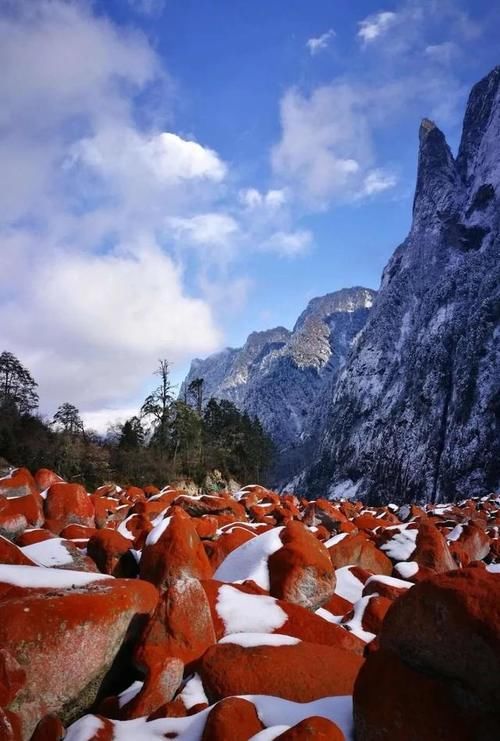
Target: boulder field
(131, 613)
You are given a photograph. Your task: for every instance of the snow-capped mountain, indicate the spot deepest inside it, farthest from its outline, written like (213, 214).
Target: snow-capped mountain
(414, 413)
(278, 375)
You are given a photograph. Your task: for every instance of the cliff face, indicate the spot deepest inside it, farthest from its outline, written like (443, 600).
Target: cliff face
(414, 413)
(279, 375)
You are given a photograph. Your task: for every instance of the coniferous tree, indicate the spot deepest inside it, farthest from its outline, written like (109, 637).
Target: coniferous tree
(17, 385)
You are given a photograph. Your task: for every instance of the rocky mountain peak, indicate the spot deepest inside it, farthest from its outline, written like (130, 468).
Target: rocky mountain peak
(439, 186)
(479, 151)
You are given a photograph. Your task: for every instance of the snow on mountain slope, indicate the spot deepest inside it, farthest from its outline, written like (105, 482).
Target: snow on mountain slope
(277, 375)
(414, 412)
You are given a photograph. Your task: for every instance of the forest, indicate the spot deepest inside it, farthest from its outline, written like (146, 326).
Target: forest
(169, 439)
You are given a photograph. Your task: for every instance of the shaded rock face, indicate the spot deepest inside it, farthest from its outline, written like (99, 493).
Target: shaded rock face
(279, 376)
(414, 413)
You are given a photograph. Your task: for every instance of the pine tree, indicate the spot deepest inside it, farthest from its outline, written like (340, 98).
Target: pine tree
(17, 386)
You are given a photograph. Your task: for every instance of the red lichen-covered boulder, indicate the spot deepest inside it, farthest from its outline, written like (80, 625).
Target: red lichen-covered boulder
(236, 608)
(374, 613)
(44, 478)
(158, 689)
(19, 483)
(28, 506)
(301, 571)
(50, 728)
(11, 554)
(301, 672)
(226, 543)
(11, 526)
(356, 550)
(316, 727)
(66, 640)
(178, 553)
(473, 545)
(66, 504)
(33, 535)
(393, 701)
(449, 625)
(322, 512)
(389, 587)
(432, 550)
(110, 552)
(232, 718)
(181, 626)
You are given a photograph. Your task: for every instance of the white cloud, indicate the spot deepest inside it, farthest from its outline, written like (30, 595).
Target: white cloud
(91, 299)
(441, 53)
(152, 8)
(212, 229)
(94, 325)
(253, 198)
(377, 181)
(289, 244)
(166, 157)
(320, 43)
(376, 25)
(325, 148)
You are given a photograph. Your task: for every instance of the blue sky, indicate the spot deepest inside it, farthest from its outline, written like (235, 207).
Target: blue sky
(179, 173)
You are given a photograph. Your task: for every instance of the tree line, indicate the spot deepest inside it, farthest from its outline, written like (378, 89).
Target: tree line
(168, 439)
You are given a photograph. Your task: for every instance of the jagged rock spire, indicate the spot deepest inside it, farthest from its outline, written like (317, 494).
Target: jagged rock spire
(438, 180)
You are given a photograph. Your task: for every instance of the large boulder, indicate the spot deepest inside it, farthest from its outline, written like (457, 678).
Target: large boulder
(18, 483)
(66, 504)
(449, 625)
(296, 671)
(357, 550)
(232, 718)
(174, 551)
(65, 638)
(301, 571)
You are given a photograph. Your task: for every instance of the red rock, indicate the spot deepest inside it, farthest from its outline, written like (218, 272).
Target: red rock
(301, 571)
(232, 718)
(449, 625)
(28, 506)
(390, 590)
(50, 728)
(77, 532)
(181, 626)
(10, 726)
(316, 727)
(139, 526)
(226, 543)
(302, 672)
(206, 526)
(299, 622)
(393, 701)
(151, 490)
(44, 478)
(66, 641)
(110, 552)
(11, 526)
(20, 483)
(322, 512)
(68, 504)
(337, 605)
(431, 550)
(104, 509)
(132, 494)
(212, 505)
(472, 545)
(12, 677)
(356, 550)
(36, 535)
(374, 613)
(178, 553)
(11, 554)
(369, 522)
(159, 688)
